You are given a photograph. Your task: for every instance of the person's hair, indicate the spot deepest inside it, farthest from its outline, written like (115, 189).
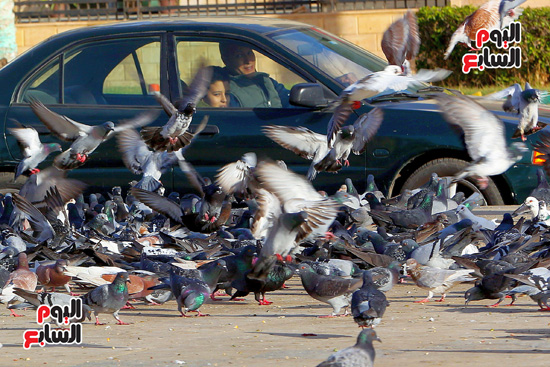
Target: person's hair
(218, 73)
(227, 47)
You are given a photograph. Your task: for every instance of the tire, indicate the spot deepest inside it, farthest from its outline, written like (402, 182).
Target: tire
(449, 167)
(7, 185)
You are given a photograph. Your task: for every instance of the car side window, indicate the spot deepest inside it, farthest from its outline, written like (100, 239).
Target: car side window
(43, 85)
(108, 72)
(267, 85)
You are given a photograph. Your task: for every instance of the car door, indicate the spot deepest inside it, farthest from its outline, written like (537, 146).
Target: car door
(107, 79)
(240, 127)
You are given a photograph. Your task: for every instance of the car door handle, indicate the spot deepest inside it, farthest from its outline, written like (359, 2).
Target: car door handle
(209, 130)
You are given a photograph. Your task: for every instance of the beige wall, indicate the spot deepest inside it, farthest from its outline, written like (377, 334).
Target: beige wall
(364, 28)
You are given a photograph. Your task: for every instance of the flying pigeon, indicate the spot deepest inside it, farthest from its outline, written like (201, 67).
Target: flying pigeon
(368, 304)
(32, 149)
(483, 136)
(85, 138)
(435, 279)
(109, 298)
(387, 81)
(526, 104)
(360, 355)
(494, 14)
(401, 41)
(174, 135)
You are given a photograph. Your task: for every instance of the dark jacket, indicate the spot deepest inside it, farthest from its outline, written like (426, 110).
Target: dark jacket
(258, 90)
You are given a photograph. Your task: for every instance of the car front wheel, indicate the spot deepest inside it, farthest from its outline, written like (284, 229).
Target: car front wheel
(449, 167)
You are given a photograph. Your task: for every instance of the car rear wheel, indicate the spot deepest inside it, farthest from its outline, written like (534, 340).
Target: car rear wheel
(449, 167)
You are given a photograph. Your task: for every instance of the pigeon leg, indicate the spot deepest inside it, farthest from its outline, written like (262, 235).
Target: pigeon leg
(34, 171)
(14, 314)
(200, 314)
(213, 298)
(544, 309)
(263, 302)
(494, 305)
(346, 162)
(327, 316)
(442, 298)
(427, 299)
(330, 236)
(153, 303)
(128, 306)
(183, 314)
(120, 322)
(97, 321)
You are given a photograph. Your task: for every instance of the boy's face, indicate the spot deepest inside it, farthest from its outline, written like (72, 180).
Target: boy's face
(241, 61)
(218, 94)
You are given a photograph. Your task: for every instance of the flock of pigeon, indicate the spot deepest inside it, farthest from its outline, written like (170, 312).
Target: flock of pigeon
(257, 224)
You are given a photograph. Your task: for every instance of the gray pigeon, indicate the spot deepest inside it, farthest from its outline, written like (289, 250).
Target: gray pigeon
(109, 298)
(333, 290)
(85, 138)
(360, 355)
(352, 138)
(174, 135)
(368, 304)
(140, 160)
(32, 149)
(526, 104)
(484, 138)
(50, 299)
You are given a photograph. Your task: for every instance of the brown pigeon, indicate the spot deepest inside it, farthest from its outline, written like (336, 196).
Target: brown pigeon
(22, 278)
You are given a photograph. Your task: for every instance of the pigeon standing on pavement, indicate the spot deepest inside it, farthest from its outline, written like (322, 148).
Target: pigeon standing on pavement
(85, 138)
(109, 298)
(436, 280)
(22, 278)
(52, 275)
(32, 149)
(368, 304)
(360, 355)
(335, 291)
(483, 136)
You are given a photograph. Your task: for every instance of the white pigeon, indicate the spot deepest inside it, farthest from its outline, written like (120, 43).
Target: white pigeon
(526, 104)
(484, 137)
(32, 149)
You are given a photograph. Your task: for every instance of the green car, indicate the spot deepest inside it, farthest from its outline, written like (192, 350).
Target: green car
(110, 72)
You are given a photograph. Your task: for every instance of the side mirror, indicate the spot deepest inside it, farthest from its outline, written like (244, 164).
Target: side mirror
(308, 95)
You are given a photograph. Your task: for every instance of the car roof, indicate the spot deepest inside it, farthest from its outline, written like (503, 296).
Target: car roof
(214, 24)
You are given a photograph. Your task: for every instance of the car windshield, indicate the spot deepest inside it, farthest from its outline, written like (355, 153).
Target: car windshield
(341, 60)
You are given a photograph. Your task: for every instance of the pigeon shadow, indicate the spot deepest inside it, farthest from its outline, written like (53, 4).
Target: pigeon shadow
(491, 351)
(483, 309)
(527, 334)
(302, 335)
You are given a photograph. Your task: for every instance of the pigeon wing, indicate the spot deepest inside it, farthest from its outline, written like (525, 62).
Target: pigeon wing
(134, 150)
(61, 126)
(299, 140)
(28, 140)
(365, 128)
(158, 203)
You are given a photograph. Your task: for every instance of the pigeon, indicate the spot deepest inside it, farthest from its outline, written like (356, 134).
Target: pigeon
(401, 41)
(360, 355)
(140, 160)
(175, 134)
(275, 280)
(526, 104)
(335, 291)
(387, 81)
(494, 14)
(235, 177)
(190, 293)
(22, 278)
(368, 304)
(303, 213)
(352, 138)
(483, 136)
(13, 243)
(32, 149)
(435, 279)
(384, 278)
(109, 298)
(85, 138)
(37, 186)
(52, 275)
(51, 299)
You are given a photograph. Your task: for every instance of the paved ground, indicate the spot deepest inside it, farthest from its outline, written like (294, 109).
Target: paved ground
(245, 334)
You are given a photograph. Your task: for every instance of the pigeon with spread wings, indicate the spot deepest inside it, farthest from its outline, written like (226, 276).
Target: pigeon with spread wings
(401, 41)
(483, 136)
(85, 138)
